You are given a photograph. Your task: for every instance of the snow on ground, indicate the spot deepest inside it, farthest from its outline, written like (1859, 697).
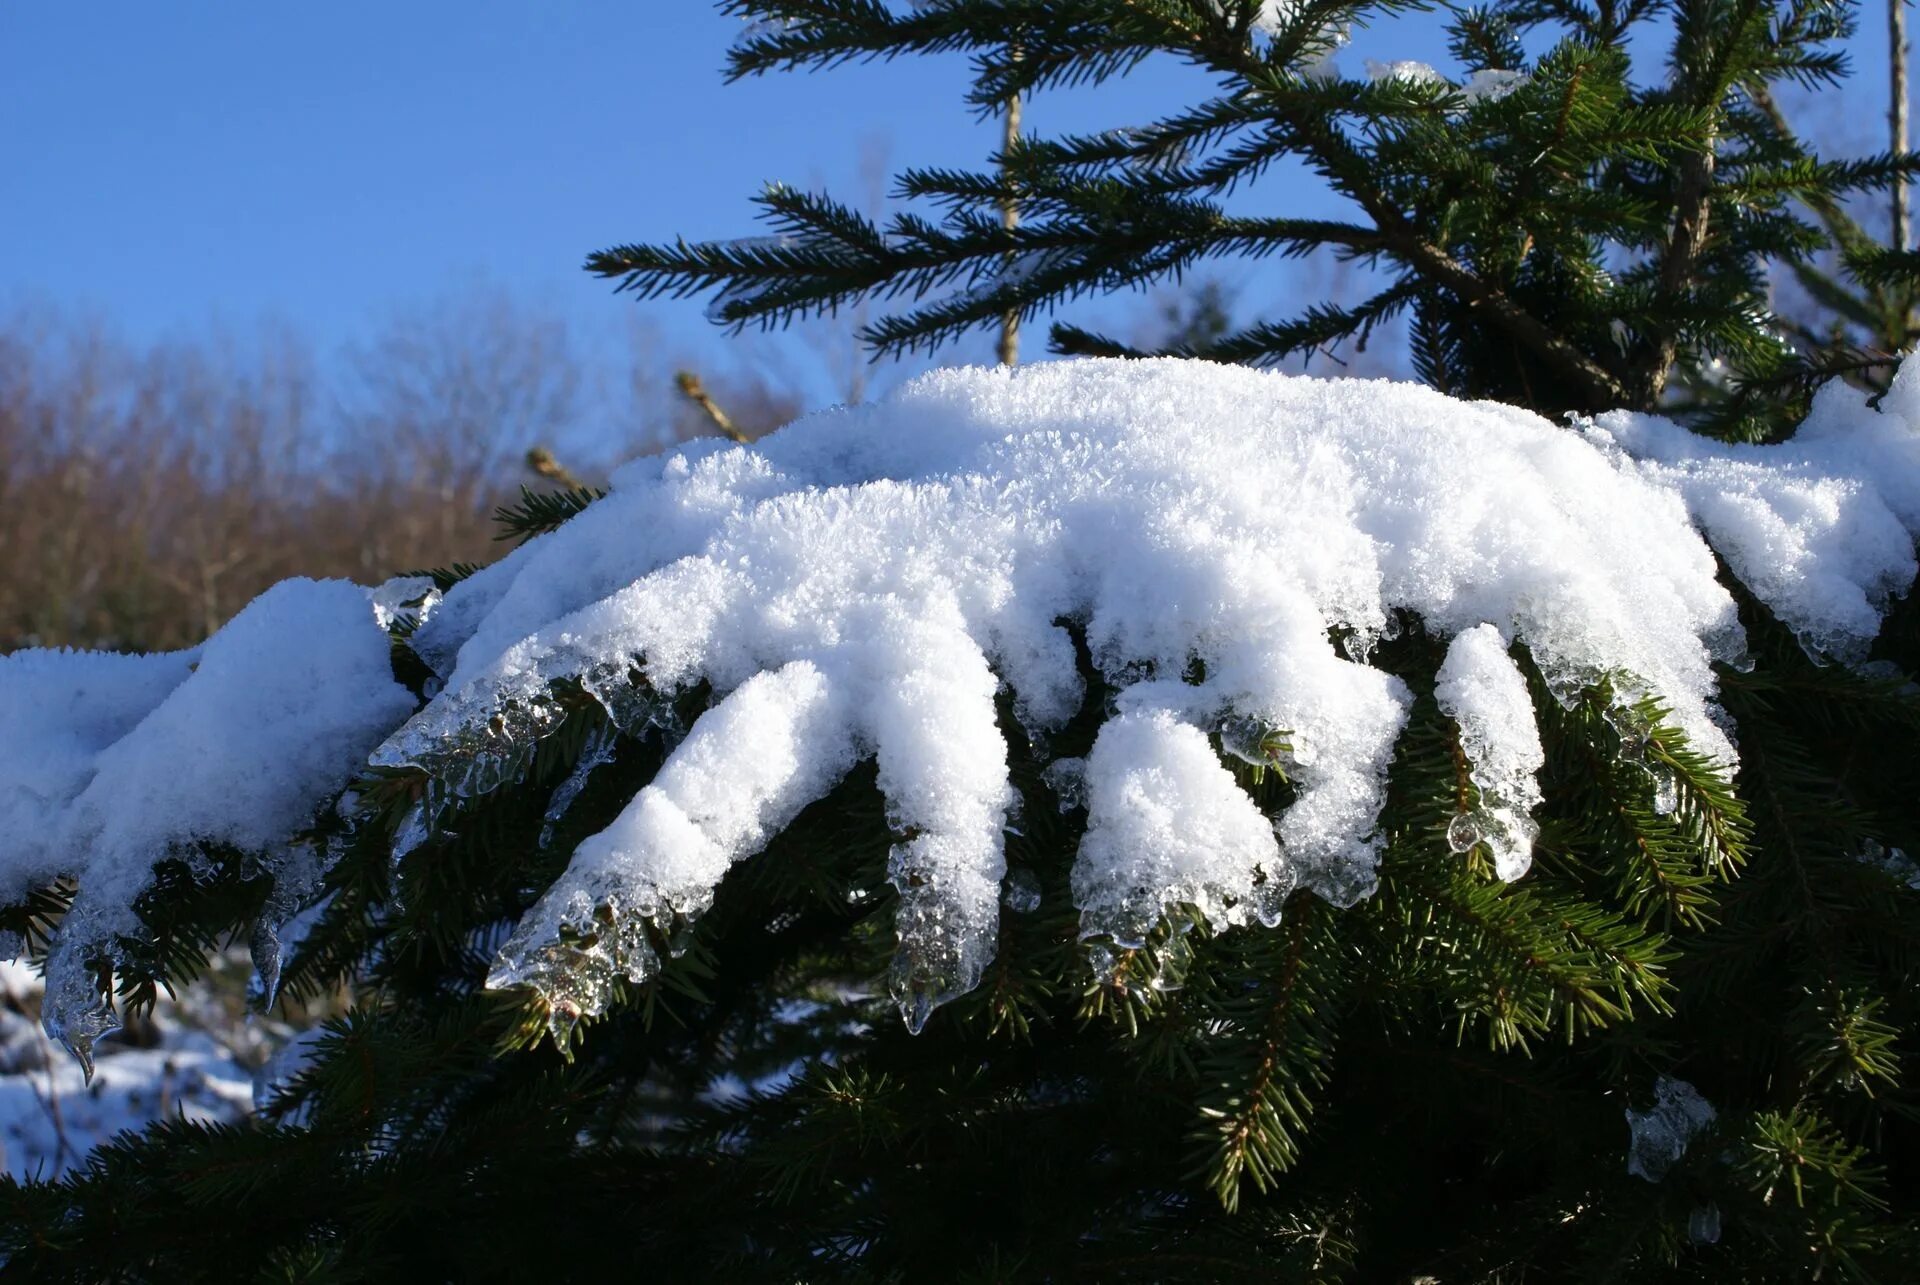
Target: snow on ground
(51, 1116)
(863, 582)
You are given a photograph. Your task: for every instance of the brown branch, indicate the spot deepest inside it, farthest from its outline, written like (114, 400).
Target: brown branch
(1692, 201)
(1599, 388)
(694, 391)
(543, 462)
(1009, 347)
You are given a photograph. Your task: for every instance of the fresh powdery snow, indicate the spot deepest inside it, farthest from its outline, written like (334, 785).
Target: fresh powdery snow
(125, 761)
(862, 583)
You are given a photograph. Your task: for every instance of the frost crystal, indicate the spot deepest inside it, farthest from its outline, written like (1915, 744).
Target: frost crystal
(1414, 73)
(1491, 84)
(1481, 689)
(1659, 1135)
(1487, 85)
(404, 601)
(1022, 895)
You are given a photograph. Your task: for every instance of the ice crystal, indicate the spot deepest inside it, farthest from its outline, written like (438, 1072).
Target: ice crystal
(1659, 1136)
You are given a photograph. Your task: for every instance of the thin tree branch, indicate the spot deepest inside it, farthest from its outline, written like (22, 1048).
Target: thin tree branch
(694, 391)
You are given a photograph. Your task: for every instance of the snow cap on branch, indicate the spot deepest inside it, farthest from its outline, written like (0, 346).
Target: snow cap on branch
(1228, 545)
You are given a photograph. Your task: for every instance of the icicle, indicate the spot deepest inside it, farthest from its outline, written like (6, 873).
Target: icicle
(73, 1009)
(597, 752)
(1067, 778)
(296, 872)
(943, 771)
(1255, 741)
(1897, 865)
(630, 701)
(415, 828)
(469, 744)
(1666, 793)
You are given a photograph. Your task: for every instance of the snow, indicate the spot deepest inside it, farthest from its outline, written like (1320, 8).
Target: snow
(906, 553)
(1821, 526)
(52, 1114)
(278, 711)
(1167, 826)
(1660, 1135)
(1486, 85)
(868, 582)
(1490, 84)
(1275, 16)
(1406, 69)
(1481, 689)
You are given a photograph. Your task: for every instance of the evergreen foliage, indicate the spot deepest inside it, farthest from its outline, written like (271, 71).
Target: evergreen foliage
(1431, 1084)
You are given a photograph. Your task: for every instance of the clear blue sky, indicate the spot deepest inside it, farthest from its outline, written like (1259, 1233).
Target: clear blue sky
(168, 165)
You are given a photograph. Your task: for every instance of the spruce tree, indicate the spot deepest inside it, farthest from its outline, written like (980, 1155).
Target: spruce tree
(1431, 1083)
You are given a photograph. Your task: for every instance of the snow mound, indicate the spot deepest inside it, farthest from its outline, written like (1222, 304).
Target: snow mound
(858, 580)
(1820, 527)
(870, 582)
(130, 760)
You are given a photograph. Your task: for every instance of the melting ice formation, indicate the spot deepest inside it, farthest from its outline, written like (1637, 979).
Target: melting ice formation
(862, 584)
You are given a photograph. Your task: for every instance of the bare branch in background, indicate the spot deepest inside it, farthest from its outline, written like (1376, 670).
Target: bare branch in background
(542, 462)
(694, 391)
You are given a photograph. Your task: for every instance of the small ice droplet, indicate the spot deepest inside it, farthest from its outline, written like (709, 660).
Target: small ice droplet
(1463, 832)
(1666, 794)
(915, 1008)
(1016, 817)
(1703, 1224)
(1270, 893)
(1067, 778)
(1105, 963)
(1021, 892)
